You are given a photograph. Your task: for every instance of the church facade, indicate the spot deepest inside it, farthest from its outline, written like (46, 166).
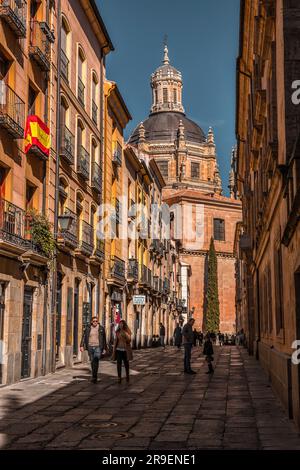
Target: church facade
(187, 160)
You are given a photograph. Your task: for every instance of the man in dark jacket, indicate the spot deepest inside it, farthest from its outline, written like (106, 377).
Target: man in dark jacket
(94, 341)
(188, 338)
(208, 351)
(162, 334)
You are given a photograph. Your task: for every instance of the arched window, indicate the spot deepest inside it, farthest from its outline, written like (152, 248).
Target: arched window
(94, 97)
(175, 96)
(165, 95)
(65, 49)
(81, 77)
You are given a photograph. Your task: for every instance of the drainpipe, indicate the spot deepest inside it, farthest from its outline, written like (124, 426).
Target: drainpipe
(57, 144)
(46, 284)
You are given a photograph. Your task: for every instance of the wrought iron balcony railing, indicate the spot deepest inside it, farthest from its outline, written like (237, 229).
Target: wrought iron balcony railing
(94, 112)
(69, 232)
(39, 48)
(166, 286)
(117, 211)
(131, 209)
(117, 154)
(86, 243)
(117, 268)
(12, 223)
(133, 270)
(14, 13)
(83, 162)
(99, 251)
(64, 65)
(155, 283)
(67, 145)
(96, 182)
(12, 112)
(80, 91)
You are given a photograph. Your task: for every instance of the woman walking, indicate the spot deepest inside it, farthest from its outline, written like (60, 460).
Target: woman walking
(122, 351)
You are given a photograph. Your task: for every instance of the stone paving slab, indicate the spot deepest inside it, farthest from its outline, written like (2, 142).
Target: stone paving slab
(160, 409)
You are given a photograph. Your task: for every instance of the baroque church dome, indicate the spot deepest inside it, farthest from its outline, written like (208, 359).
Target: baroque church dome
(163, 127)
(185, 156)
(167, 110)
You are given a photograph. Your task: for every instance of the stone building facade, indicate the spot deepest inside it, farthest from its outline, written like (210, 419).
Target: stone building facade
(25, 61)
(267, 172)
(188, 163)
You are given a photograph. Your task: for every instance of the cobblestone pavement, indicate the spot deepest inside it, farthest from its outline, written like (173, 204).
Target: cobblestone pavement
(160, 409)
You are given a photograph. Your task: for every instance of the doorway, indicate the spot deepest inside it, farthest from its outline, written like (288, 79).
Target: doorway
(58, 313)
(76, 318)
(2, 310)
(26, 332)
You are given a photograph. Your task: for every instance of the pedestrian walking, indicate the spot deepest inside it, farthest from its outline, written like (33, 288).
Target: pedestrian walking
(178, 336)
(188, 338)
(162, 334)
(94, 341)
(195, 337)
(122, 351)
(208, 351)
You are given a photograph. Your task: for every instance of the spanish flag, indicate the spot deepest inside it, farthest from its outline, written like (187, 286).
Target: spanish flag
(38, 134)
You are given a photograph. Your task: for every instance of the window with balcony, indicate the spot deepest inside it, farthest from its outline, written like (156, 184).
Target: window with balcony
(83, 157)
(94, 98)
(12, 108)
(219, 229)
(81, 78)
(195, 170)
(32, 98)
(96, 177)
(65, 38)
(63, 195)
(14, 14)
(67, 139)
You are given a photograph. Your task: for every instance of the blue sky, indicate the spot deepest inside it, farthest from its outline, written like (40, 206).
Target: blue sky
(203, 45)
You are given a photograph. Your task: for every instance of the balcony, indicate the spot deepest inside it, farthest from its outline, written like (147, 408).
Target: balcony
(131, 209)
(166, 286)
(80, 92)
(117, 155)
(64, 64)
(145, 276)
(39, 49)
(133, 270)
(67, 145)
(14, 13)
(86, 243)
(12, 226)
(155, 284)
(96, 182)
(149, 277)
(12, 112)
(117, 268)
(99, 252)
(94, 112)
(68, 232)
(117, 212)
(83, 163)
(15, 234)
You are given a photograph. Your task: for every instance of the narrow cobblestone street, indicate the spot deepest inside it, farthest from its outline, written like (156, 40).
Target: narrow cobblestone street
(161, 408)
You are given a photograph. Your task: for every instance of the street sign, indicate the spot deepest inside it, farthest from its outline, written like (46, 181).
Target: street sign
(139, 300)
